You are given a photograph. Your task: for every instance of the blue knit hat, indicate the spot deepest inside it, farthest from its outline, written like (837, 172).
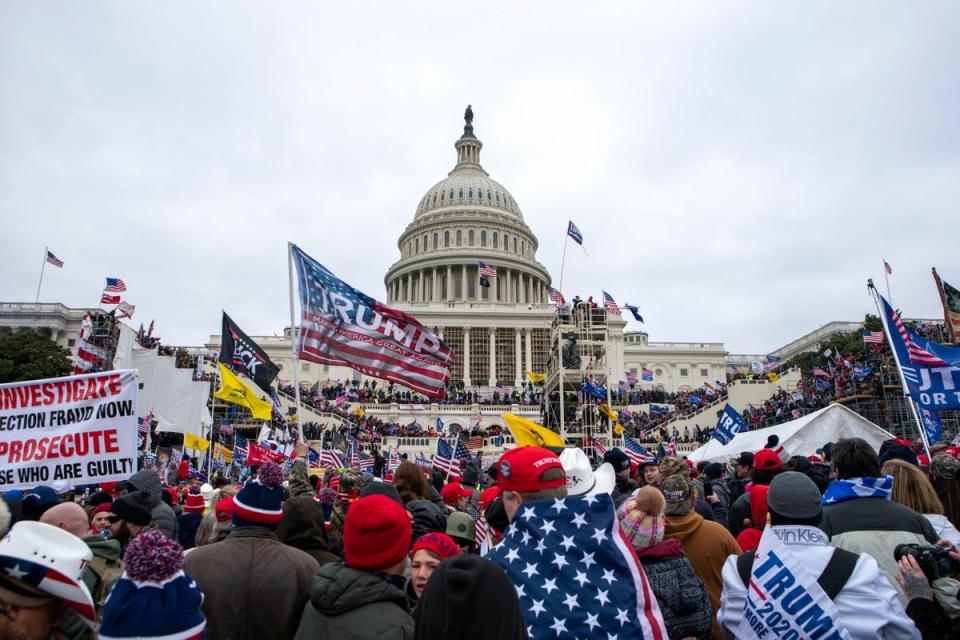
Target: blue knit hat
(260, 502)
(153, 598)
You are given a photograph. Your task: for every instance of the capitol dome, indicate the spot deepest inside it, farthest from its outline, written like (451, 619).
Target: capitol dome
(465, 219)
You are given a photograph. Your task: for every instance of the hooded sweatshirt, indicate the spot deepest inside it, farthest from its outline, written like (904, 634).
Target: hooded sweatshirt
(161, 513)
(684, 602)
(349, 603)
(707, 545)
(302, 527)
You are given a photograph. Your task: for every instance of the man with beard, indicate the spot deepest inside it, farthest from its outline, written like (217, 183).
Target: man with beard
(129, 515)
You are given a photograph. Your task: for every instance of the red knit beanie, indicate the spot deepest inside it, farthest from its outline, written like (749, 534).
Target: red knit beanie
(439, 544)
(194, 503)
(376, 534)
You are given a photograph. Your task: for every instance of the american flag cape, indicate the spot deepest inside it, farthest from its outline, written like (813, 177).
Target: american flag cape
(575, 574)
(342, 326)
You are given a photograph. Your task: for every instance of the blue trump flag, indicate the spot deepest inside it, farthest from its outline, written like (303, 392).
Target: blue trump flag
(593, 389)
(730, 424)
(574, 233)
(575, 575)
(635, 311)
(933, 380)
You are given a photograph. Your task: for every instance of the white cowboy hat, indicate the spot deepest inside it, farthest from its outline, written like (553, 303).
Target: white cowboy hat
(50, 562)
(581, 479)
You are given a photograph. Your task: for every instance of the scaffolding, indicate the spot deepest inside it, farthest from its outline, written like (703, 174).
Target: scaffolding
(579, 341)
(101, 330)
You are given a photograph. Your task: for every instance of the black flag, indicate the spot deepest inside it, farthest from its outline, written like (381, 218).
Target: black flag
(242, 355)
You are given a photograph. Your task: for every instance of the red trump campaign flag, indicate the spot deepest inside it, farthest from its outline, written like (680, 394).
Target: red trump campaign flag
(343, 326)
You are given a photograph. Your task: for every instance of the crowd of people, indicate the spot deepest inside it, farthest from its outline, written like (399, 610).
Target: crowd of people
(495, 553)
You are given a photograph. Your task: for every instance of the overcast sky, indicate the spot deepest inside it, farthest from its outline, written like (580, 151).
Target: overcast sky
(738, 170)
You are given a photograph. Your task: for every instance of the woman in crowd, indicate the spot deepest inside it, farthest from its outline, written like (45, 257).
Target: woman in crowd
(100, 520)
(944, 472)
(912, 489)
(681, 595)
(411, 483)
(427, 554)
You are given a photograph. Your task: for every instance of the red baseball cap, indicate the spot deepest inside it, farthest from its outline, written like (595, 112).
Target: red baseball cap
(521, 468)
(767, 460)
(488, 495)
(453, 492)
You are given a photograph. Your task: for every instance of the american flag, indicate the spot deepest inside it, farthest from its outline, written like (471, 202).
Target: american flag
(344, 327)
(637, 454)
(444, 459)
(556, 296)
(648, 375)
(143, 424)
(54, 260)
(887, 268)
(331, 459)
(480, 534)
(571, 564)
(487, 270)
(632, 377)
(598, 446)
(504, 389)
(462, 452)
(106, 298)
(226, 429)
(610, 304)
(474, 442)
(820, 373)
(916, 353)
(115, 285)
(875, 337)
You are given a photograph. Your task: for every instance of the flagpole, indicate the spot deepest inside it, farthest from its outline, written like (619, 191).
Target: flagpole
(294, 339)
(43, 265)
(896, 359)
(563, 260)
(886, 278)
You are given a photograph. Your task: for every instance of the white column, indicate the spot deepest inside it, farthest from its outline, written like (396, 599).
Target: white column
(463, 281)
(448, 285)
(477, 287)
(436, 284)
(523, 287)
(529, 345)
(517, 352)
(466, 357)
(409, 296)
(493, 356)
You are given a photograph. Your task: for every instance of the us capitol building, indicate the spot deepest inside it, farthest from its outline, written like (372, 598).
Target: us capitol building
(501, 331)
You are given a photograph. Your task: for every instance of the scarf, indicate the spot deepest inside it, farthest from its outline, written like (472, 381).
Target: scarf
(853, 488)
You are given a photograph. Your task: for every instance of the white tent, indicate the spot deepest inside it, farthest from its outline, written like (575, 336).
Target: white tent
(800, 437)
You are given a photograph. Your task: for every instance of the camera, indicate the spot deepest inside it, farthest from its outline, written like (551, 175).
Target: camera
(935, 561)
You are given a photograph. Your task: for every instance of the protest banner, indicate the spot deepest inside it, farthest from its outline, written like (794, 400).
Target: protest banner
(82, 429)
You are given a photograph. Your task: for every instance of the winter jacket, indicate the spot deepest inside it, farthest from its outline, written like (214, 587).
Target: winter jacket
(188, 524)
(722, 491)
(427, 517)
(684, 602)
(302, 528)
(99, 576)
(298, 482)
(348, 604)
(253, 585)
(867, 604)
(737, 513)
(876, 526)
(736, 487)
(707, 545)
(161, 513)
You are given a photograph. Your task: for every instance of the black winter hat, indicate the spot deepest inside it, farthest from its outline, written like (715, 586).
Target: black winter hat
(617, 459)
(460, 597)
(133, 507)
(383, 489)
(713, 470)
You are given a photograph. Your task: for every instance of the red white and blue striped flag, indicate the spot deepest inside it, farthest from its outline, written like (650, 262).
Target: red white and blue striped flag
(54, 260)
(556, 296)
(444, 459)
(487, 270)
(342, 326)
(115, 285)
(610, 304)
(872, 337)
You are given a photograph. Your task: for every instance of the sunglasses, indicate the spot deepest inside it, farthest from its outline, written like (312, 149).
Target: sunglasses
(112, 519)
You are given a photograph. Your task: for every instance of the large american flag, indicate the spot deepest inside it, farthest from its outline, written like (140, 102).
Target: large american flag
(115, 285)
(638, 454)
(598, 446)
(556, 296)
(344, 327)
(444, 459)
(610, 304)
(874, 337)
(331, 459)
(916, 353)
(575, 574)
(462, 452)
(487, 270)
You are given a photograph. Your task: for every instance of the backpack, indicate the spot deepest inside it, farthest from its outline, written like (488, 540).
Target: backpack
(834, 577)
(107, 575)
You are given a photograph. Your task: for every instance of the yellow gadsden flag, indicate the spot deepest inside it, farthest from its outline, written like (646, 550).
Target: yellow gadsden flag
(528, 433)
(614, 418)
(773, 376)
(195, 442)
(234, 391)
(536, 377)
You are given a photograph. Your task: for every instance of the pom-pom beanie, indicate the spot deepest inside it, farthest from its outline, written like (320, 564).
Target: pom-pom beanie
(260, 502)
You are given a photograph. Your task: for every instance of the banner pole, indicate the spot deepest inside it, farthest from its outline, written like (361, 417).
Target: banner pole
(294, 343)
(42, 267)
(896, 359)
(563, 260)
(886, 278)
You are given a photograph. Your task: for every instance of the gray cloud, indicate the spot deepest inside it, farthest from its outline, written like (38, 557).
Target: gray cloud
(738, 171)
